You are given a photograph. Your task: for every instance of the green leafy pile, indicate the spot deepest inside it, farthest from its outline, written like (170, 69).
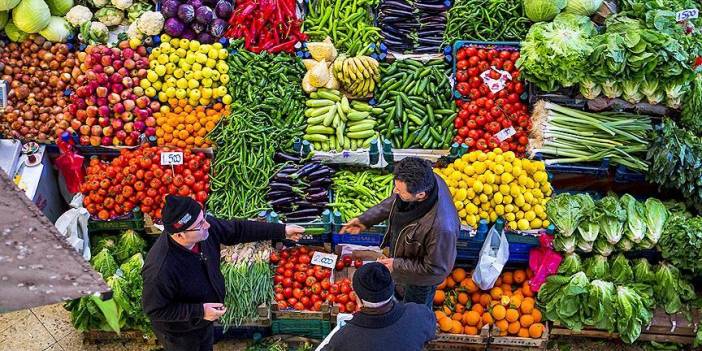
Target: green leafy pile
(671, 289)
(681, 243)
(565, 211)
(127, 289)
(691, 117)
(128, 244)
(104, 263)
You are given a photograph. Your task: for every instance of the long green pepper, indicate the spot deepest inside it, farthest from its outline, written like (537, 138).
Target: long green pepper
(347, 22)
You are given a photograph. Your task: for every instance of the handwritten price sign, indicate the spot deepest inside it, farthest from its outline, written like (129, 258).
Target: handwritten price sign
(688, 14)
(324, 259)
(171, 158)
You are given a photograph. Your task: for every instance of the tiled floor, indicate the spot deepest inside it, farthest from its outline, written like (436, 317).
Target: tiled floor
(49, 328)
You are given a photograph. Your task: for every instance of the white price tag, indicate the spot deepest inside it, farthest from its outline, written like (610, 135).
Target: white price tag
(496, 85)
(685, 15)
(171, 158)
(324, 259)
(4, 88)
(505, 134)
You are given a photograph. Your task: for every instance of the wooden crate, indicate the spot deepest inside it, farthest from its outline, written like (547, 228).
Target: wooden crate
(445, 341)
(324, 314)
(519, 343)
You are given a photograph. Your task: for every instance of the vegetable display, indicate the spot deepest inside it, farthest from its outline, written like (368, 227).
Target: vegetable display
(186, 126)
(270, 25)
(412, 26)
(356, 192)
(136, 179)
(416, 102)
(334, 123)
(304, 287)
(563, 135)
(299, 193)
(486, 20)
(37, 73)
(319, 72)
(187, 69)
(347, 22)
(267, 115)
(680, 243)
(247, 277)
(691, 117)
(462, 308)
(496, 184)
(357, 75)
(105, 109)
(493, 114)
(204, 21)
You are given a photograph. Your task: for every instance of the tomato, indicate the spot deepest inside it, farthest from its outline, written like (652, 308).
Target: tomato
(317, 306)
(282, 305)
(489, 104)
(310, 281)
(518, 88)
(304, 259)
(474, 94)
(523, 140)
(345, 289)
(508, 66)
(479, 103)
(127, 191)
(473, 72)
(458, 123)
(305, 301)
(470, 51)
(342, 299)
(481, 144)
(279, 297)
(463, 88)
(299, 306)
(463, 64)
(334, 289)
(297, 293)
(463, 132)
(178, 180)
(350, 306)
(515, 56)
(288, 273)
(483, 66)
(139, 186)
(481, 121)
(340, 265)
(461, 54)
(475, 82)
(497, 63)
(300, 277)
(183, 191)
(462, 76)
(357, 263)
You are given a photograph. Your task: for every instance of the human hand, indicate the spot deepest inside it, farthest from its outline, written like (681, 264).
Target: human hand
(387, 262)
(354, 226)
(213, 311)
(293, 232)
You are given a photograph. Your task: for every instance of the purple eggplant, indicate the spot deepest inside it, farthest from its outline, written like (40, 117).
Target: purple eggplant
(277, 194)
(306, 169)
(280, 186)
(204, 14)
(186, 13)
(224, 9)
(320, 173)
(218, 27)
(169, 8)
(321, 182)
(283, 157)
(173, 27)
(283, 201)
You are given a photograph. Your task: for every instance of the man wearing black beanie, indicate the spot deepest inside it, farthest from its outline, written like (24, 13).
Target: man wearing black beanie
(183, 286)
(382, 324)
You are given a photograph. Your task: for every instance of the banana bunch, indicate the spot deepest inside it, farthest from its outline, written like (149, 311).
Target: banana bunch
(358, 75)
(335, 123)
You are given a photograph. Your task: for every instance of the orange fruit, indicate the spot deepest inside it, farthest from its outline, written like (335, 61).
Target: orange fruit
(459, 308)
(456, 327)
(478, 308)
(527, 305)
(496, 293)
(463, 298)
(513, 328)
(519, 276)
(499, 312)
(526, 290)
(512, 315)
(523, 333)
(487, 319)
(450, 283)
(502, 326)
(471, 318)
(537, 315)
(507, 278)
(470, 285)
(470, 330)
(447, 311)
(475, 298)
(442, 286)
(458, 274)
(526, 320)
(498, 282)
(536, 330)
(515, 301)
(457, 316)
(439, 315)
(445, 324)
(529, 273)
(506, 290)
(485, 300)
(439, 297)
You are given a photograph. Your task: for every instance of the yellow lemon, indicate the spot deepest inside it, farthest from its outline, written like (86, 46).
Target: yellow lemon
(504, 188)
(487, 189)
(500, 210)
(460, 195)
(478, 186)
(520, 215)
(458, 204)
(507, 199)
(497, 198)
(535, 223)
(509, 156)
(529, 215)
(509, 216)
(523, 224)
(469, 170)
(512, 225)
(481, 156)
(506, 178)
(483, 198)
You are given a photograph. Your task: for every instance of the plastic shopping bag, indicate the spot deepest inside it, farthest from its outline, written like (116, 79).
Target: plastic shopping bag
(70, 166)
(492, 259)
(543, 261)
(73, 225)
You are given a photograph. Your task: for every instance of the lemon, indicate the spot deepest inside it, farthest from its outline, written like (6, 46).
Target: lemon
(499, 169)
(470, 193)
(170, 92)
(487, 189)
(500, 210)
(530, 183)
(181, 93)
(205, 48)
(499, 158)
(458, 204)
(193, 83)
(540, 176)
(134, 43)
(536, 223)
(222, 53)
(150, 92)
(509, 216)
(545, 224)
(145, 83)
(476, 200)
(523, 224)
(194, 45)
(461, 213)
(514, 190)
(491, 156)
(473, 156)
(519, 200)
(489, 177)
(523, 180)
(509, 208)
(204, 101)
(517, 171)
(520, 215)
(478, 186)
(182, 83)
(484, 215)
(497, 198)
(512, 225)
(211, 63)
(506, 178)
(481, 156)
(530, 216)
(173, 58)
(509, 156)
(507, 199)
(504, 189)
(526, 207)
(471, 208)
(459, 164)
(483, 198)
(485, 206)
(537, 193)
(529, 197)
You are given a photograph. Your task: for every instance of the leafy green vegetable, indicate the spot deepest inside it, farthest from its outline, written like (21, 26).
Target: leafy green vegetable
(653, 91)
(621, 270)
(671, 289)
(589, 89)
(137, 9)
(585, 246)
(600, 305)
(130, 286)
(91, 313)
(31, 16)
(59, 7)
(613, 218)
(635, 218)
(631, 313)
(104, 263)
(589, 226)
(602, 246)
(543, 10)
(565, 211)
(643, 272)
(566, 304)
(108, 242)
(625, 245)
(6, 5)
(655, 216)
(57, 31)
(691, 117)
(681, 243)
(570, 265)
(129, 244)
(565, 243)
(596, 267)
(583, 7)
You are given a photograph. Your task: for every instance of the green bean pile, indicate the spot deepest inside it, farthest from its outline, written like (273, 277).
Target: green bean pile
(347, 22)
(356, 192)
(267, 114)
(486, 20)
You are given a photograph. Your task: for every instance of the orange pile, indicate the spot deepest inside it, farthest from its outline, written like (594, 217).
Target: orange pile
(510, 306)
(181, 125)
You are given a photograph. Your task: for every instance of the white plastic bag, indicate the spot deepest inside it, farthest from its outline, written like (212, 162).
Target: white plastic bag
(492, 259)
(73, 225)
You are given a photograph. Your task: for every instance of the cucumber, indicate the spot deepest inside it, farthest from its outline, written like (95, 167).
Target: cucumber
(360, 135)
(329, 117)
(318, 103)
(361, 127)
(329, 96)
(361, 106)
(357, 116)
(315, 137)
(345, 104)
(315, 120)
(319, 130)
(317, 111)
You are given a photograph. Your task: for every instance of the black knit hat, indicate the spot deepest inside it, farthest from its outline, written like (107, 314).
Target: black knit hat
(179, 213)
(373, 283)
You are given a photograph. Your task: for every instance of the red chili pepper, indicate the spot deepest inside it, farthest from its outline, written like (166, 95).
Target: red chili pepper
(285, 46)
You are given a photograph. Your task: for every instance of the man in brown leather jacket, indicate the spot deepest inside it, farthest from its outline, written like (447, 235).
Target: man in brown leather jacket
(422, 229)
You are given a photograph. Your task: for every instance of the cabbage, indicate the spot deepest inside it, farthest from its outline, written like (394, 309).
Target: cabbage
(566, 210)
(13, 33)
(57, 31)
(59, 7)
(543, 10)
(104, 263)
(582, 7)
(589, 89)
(621, 270)
(643, 272)
(575, 21)
(6, 5)
(635, 219)
(596, 267)
(31, 16)
(3, 19)
(570, 265)
(129, 244)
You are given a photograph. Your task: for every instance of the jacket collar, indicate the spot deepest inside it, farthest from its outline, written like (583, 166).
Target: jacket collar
(366, 320)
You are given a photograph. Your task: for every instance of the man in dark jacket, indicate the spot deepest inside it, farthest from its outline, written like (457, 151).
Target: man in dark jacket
(183, 286)
(423, 226)
(383, 324)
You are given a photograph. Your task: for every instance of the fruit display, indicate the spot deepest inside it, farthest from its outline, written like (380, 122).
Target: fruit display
(136, 179)
(304, 287)
(498, 184)
(491, 112)
(105, 109)
(509, 308)
(37, 73)
(357, 75)
(181, 125)
(186, 69)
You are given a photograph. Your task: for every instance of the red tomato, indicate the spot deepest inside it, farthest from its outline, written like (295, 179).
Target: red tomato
(297, 293)
(201, 196)
(463, 132)
(471, 51)
(299, 306)
(300, 277)
(481, 144)
(463, 88)
(325, 284)
(523, 140)
(515, 56)
(279, 297)
(340, 265)
(317, 306)
(496, 63)
(462, 76)
(461, 54)
(473, 61)
(463, 114)
(475, 82)
(345, 289)
(350, 306)
(483, 66)
(304, 259)
(178, 180)
(482, 54)
(305, 301)
(508, 66)
(342, 299)
(184, 191)
(282, 305)
(473, 72)
(357, 263)
(462, 64)
(347, 260)
(458, 139)
(310, 281)
(334, 289)
(458, 123)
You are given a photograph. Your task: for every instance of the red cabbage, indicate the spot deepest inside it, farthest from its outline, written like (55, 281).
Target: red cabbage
(218, 27)
(186, 13)
(189, 34)
(195, 3)
(205, 38)
(224, 9)
(169, 8)
(204, 14)
(173, 27)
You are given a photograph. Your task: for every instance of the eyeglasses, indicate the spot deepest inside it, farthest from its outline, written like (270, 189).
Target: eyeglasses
(200, 227)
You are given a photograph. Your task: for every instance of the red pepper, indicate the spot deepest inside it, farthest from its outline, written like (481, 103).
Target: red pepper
(287, 46)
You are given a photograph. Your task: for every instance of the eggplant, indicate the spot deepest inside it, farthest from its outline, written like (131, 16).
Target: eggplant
(427, 41)
(320, 173)
(321, 182)
(283, 157)
(323, 196)
(306, 169)
(429, 7)
(307, 204)
(398, 12)
(277, 194)
(396, 5)
(280, 186)
(283, 201)
(431, 33)
(303, 212)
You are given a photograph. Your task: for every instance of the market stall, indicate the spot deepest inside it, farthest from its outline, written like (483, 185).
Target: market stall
(568, 133)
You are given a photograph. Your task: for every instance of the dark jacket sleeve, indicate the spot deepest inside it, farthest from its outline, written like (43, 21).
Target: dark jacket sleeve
(158, 300)
(236, 232)
(378, 213)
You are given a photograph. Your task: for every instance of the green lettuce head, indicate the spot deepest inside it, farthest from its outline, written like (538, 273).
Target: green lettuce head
(543, 10)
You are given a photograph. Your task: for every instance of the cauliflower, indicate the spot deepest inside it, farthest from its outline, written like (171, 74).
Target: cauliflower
(109, 16)
(121, 4)
(78, 15)
(150, 23)
(133, 32)
(100, 3)
(98, 32)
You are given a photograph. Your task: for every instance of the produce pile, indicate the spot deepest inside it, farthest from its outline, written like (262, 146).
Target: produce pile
(136, 178)
(187, 69)
(416, 102)
(119, 260)
(356, 192)
(270, 25)
(612, 294)
(37, 73)
(607, 225)
(412, 26)
(186, 126)
(497, 184)
(105, 109)
(348, 22)
(204, 21)
(492, 114)
(486, 20)
(299, 193)
(304, 287)
(680, 242)
(462, 308)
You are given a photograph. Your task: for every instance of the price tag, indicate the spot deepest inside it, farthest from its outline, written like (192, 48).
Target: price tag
(171, 158)
(324, 259)
(685, 15)
(498, 84)
(4, 88)
(505, 134)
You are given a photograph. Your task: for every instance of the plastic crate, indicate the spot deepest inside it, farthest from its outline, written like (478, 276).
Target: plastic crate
(501, 45)
(318, 239)
(565, 97)
(624, 175)
(133, 221)
(594, 169)
(367, 239)
(314, 329)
